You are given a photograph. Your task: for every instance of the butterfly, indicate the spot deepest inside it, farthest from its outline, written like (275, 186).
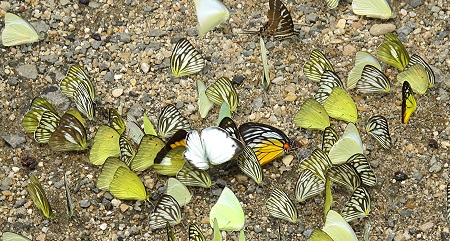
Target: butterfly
(362, 167)
(170, 120)
(185, 59)
(280, 21)
(373, 81)
(448, 202)
(340, 105)
(83, 101)
(195, 234)
(223, 112)
(126, 185)
(362, 59)
(18, 31)
(33, 116)
(213, 147)
(417, 77)
(190, 176)
(267, 142)
(349, 144)
(280, 206)
(106, 144)
(265, 78)
(329, 138)
(169, 159)
(318, 162)
(178, 191)
(204, 104)
(249, 164)
(409, 104)
(393, 52)
(210, 14)
(345, 175)
(328, 81)
(334, 229)
(37, 193)
(372, 8)
(47, 125)
(116, 121)
(170, 233)
(127, 152)
(147, 151)
(358, 206)
(416, 59)
(8, 236)
(69, 202)
(70, 134)
(377, 127)
(167, 210)
(308, 185)
(316, 65)
(230, 127)
(228, 212)
(223, 91)
(332, 3)
(108, 170)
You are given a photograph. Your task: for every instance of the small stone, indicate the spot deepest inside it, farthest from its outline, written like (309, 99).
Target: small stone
(13, 81)
(417, 176)
(108, 77)
(399, 237)
(124, 207)
(405, 30)
(257, 103)
(85, 203)
(156, 33)
(145, 67)
(116, 203)
(400, 176)
(15, 140)
(341, 23)
(435, 9)
(415, 3)
(278, 80)
(287, 160)
(64, 2)
(426, 226)
(349, 50)
(103, 226)
(257, 229)
(237, 80)
(28, 71)
(117, 92)
(311, 18)
(381, 29)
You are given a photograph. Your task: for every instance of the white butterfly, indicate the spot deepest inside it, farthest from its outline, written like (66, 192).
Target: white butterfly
(215, 146)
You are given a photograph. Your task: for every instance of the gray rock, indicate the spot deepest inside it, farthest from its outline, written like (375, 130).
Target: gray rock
(270, 45)
(57, 98)
(257, 229)
(20, 203)
(405, 30)
(192, 32)
(13, 81)
(50, 58)
(417, 176)
(156, 33)
(415, 3)
(381, 29)
(59, 184)
(124, 37)
(41, 26)
(247, 53)
(94, 4)
(435, 9)
(7, 181)
(96, 44)
(108, 77)
(85, 203)
(405, 213)
(14, 140)
(28, 71)
(307, 233)
(64, 2)
(311, 18)
(257, 103)
(5, 5)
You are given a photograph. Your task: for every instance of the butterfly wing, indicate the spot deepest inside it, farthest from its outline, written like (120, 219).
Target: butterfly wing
(116, 121)
(377, 126)
(230, 127)
(18, 31)
(204, 104)
(358, 206)
(210, 14)
(69, 136)
(228, 212)
(337, 227)
(106, 144)
(361, 60)
(372, 8)
(329, 138)
(179, 191)
(170, 121)
(185, 59)
(219, 147)
(83, 101)
(280, 21)
(316, 65)
(393, 52)
(340, 105)
(108, 170)
(190, 176)
(167, 210)
(417, 77)
(409, 104)
(280, 206)
(195, 153)
(37, 193)
(332, 3)
(223, 91)
(416, 59)
(373, 81)
(265, 79)
(328, 81)
(308, 185)
(249, 164)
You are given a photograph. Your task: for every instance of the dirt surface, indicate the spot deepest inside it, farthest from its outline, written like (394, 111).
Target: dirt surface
(137, 38)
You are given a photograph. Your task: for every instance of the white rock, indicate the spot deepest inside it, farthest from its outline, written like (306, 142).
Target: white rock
(117, 92)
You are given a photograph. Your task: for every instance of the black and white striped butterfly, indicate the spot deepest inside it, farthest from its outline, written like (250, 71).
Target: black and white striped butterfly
(37, 193)
(195, 234)
(185, 59)
(280, 206)
(358, 206)
(345, 175)
(127, 151)
(329, 138)
(373, 81)
(249, 164)
(363, 168)
(69, 202)
(316, 65)
(48, 123)
(190, 176)
(377, 126)
(328, 81)
(33, 116)
(416, 59)
(167, 210)
(85, 104)
(70, 134)
(308, 185)
(170, 121)
(213, 147)
(223, 91)
(448, 202)
(115, 121)
(318, 162)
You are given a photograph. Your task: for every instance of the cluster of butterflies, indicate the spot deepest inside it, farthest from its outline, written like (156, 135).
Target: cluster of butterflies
(65, 133)
(341, 160)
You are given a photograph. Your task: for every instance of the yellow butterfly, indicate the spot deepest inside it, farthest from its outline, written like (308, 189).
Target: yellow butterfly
(18, 31)
(340, 105)
(312, 115)
(409, 104)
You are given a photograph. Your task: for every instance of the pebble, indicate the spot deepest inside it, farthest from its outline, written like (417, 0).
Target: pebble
(115, 202)
(417, 176)
(103, 226)
(426, 226)
(415, 3)
(290, 97)
(405, 30)
(349, 50)
(14, 140)
(381, 29)
(145, 67)
(123, 207)
(435, 9)
(257, 103)
(341, 23)
(117, 92)
(85, 203)
(28, 71)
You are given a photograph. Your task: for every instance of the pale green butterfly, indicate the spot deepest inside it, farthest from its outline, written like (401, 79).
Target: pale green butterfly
(228, 212)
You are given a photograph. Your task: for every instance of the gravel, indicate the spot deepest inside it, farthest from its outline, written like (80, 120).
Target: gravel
(125, 47)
